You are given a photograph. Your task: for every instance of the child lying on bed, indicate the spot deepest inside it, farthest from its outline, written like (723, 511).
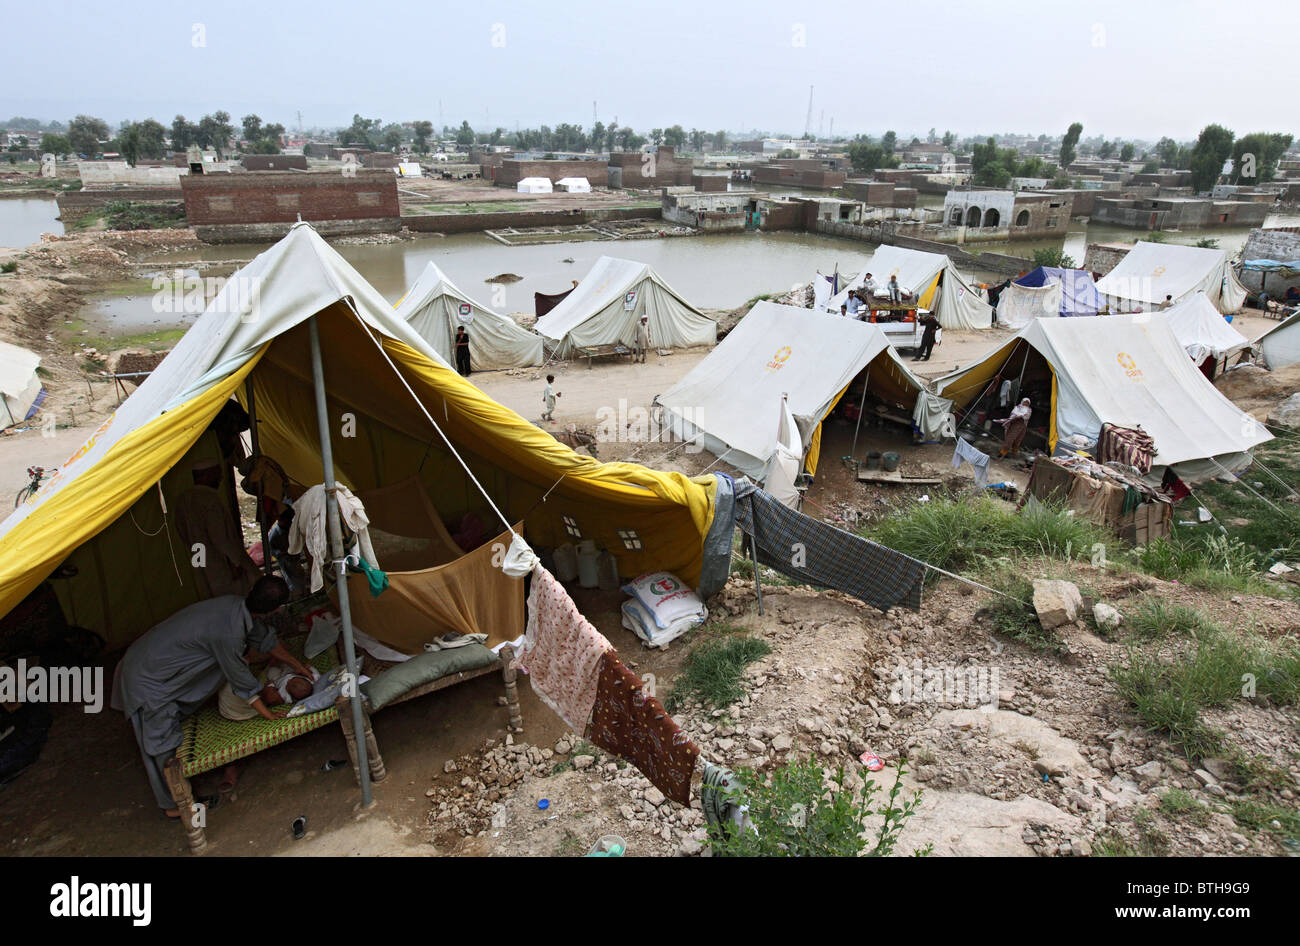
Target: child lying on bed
(284, 687)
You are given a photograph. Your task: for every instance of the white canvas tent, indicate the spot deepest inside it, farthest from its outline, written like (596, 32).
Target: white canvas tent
(435, 308)
(606, 306)
(1151, 271)
(1202, 331)
(732, 400)
(1128, 370)
(1280, 345)
(932, 280)
(20, 386)
(1020, 305)
(534, 185)
(574, 185)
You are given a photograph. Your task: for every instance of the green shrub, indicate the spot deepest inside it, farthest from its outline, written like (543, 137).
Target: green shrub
(9, 267)
(801, 811)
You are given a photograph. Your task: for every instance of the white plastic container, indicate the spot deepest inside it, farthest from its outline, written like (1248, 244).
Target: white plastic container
(588, 569)
(608, 568)
(566, 562)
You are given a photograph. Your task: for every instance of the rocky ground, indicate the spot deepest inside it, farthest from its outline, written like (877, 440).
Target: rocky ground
(1055, 765)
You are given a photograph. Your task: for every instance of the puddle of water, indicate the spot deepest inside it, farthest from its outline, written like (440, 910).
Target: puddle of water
(23, 221)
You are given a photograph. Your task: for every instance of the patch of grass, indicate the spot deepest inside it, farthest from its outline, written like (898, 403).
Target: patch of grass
(1259, 816)
(129, 215)
(1169, 696)
(1152, 841)
(9, 267)
(570, 845)
(712, 671)
(1154, 618)
(1112, 844)
(952, 533)
(1214, 561)
(1178, 803)
(154, 341)
(743, 566)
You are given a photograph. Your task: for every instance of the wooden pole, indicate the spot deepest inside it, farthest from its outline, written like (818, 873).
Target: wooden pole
(257, 451)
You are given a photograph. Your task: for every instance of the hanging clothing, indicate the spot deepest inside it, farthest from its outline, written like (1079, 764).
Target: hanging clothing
(635, 726)
(561, 652)
(965, 453)
(310, 531)
(819, 554)
(1131, 445)
(1171, 483)
(1004, 394)
(203, 520)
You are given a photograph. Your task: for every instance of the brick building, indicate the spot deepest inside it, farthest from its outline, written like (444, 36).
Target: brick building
(514, 170)
(799, 172)
(634, 169)
(262, 206)
(882, 194)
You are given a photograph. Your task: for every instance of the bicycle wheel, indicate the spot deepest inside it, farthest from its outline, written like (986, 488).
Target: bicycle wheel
(23, 495)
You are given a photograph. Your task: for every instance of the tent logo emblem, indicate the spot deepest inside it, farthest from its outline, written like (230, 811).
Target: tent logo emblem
(465, 313)
(1129, 365)
(629, 301)
(1158, 271)
(780, 358)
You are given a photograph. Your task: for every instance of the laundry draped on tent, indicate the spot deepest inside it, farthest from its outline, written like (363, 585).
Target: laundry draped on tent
(102, 511)
(1151, 271)
(1125, 370)
(435, 308)
(733, 398)
(606, 306)
(1048, 292)
(1202, 330)
(933, 281)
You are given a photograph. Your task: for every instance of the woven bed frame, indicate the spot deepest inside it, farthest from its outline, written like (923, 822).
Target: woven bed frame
(191, 759)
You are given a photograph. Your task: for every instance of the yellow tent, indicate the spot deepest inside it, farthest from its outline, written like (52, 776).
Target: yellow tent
(106, 508)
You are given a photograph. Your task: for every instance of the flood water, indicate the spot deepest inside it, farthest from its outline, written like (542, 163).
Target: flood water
(23, 221)
(710, 271)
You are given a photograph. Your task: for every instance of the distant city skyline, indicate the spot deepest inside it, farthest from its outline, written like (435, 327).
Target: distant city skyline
(1124, 70)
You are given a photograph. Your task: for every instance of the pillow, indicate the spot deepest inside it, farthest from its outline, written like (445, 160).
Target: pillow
(397, 681)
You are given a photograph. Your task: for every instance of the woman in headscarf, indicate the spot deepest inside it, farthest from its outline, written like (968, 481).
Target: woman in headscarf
(1015, 425)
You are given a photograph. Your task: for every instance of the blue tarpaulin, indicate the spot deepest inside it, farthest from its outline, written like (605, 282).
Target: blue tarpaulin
(1079, 295)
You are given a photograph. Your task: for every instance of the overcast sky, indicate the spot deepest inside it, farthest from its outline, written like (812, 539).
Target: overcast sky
(1133, 68)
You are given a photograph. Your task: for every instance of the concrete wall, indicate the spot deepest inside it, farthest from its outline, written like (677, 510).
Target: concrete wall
(119, 172)
(1282, 243)
(281, 197)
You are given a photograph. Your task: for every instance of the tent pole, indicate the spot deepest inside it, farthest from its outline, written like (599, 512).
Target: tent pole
(853, 452)
(257, 451)
(336, 554)
(758, 587)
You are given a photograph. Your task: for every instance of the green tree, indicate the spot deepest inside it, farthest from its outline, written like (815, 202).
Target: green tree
(598, 135)
(948, 139)
(423, 130)
(1213, 148)
(865, 156)
(252, 128)
(215, 131)
(465, 136)
(183, 133)
(1053, 258)
(362, 133)
(128, 143)
(54, 143)
(889, 142)
(495, 137)
(719, 141)
(697, 140)
(1167, 149)
(392, 139)
(1151, 167)
(989, 164)
(675, 136)
(657, 136)
(1069, 144)
(1255, 156)
(1106, 150)
(85, 133)
(1127, 151)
